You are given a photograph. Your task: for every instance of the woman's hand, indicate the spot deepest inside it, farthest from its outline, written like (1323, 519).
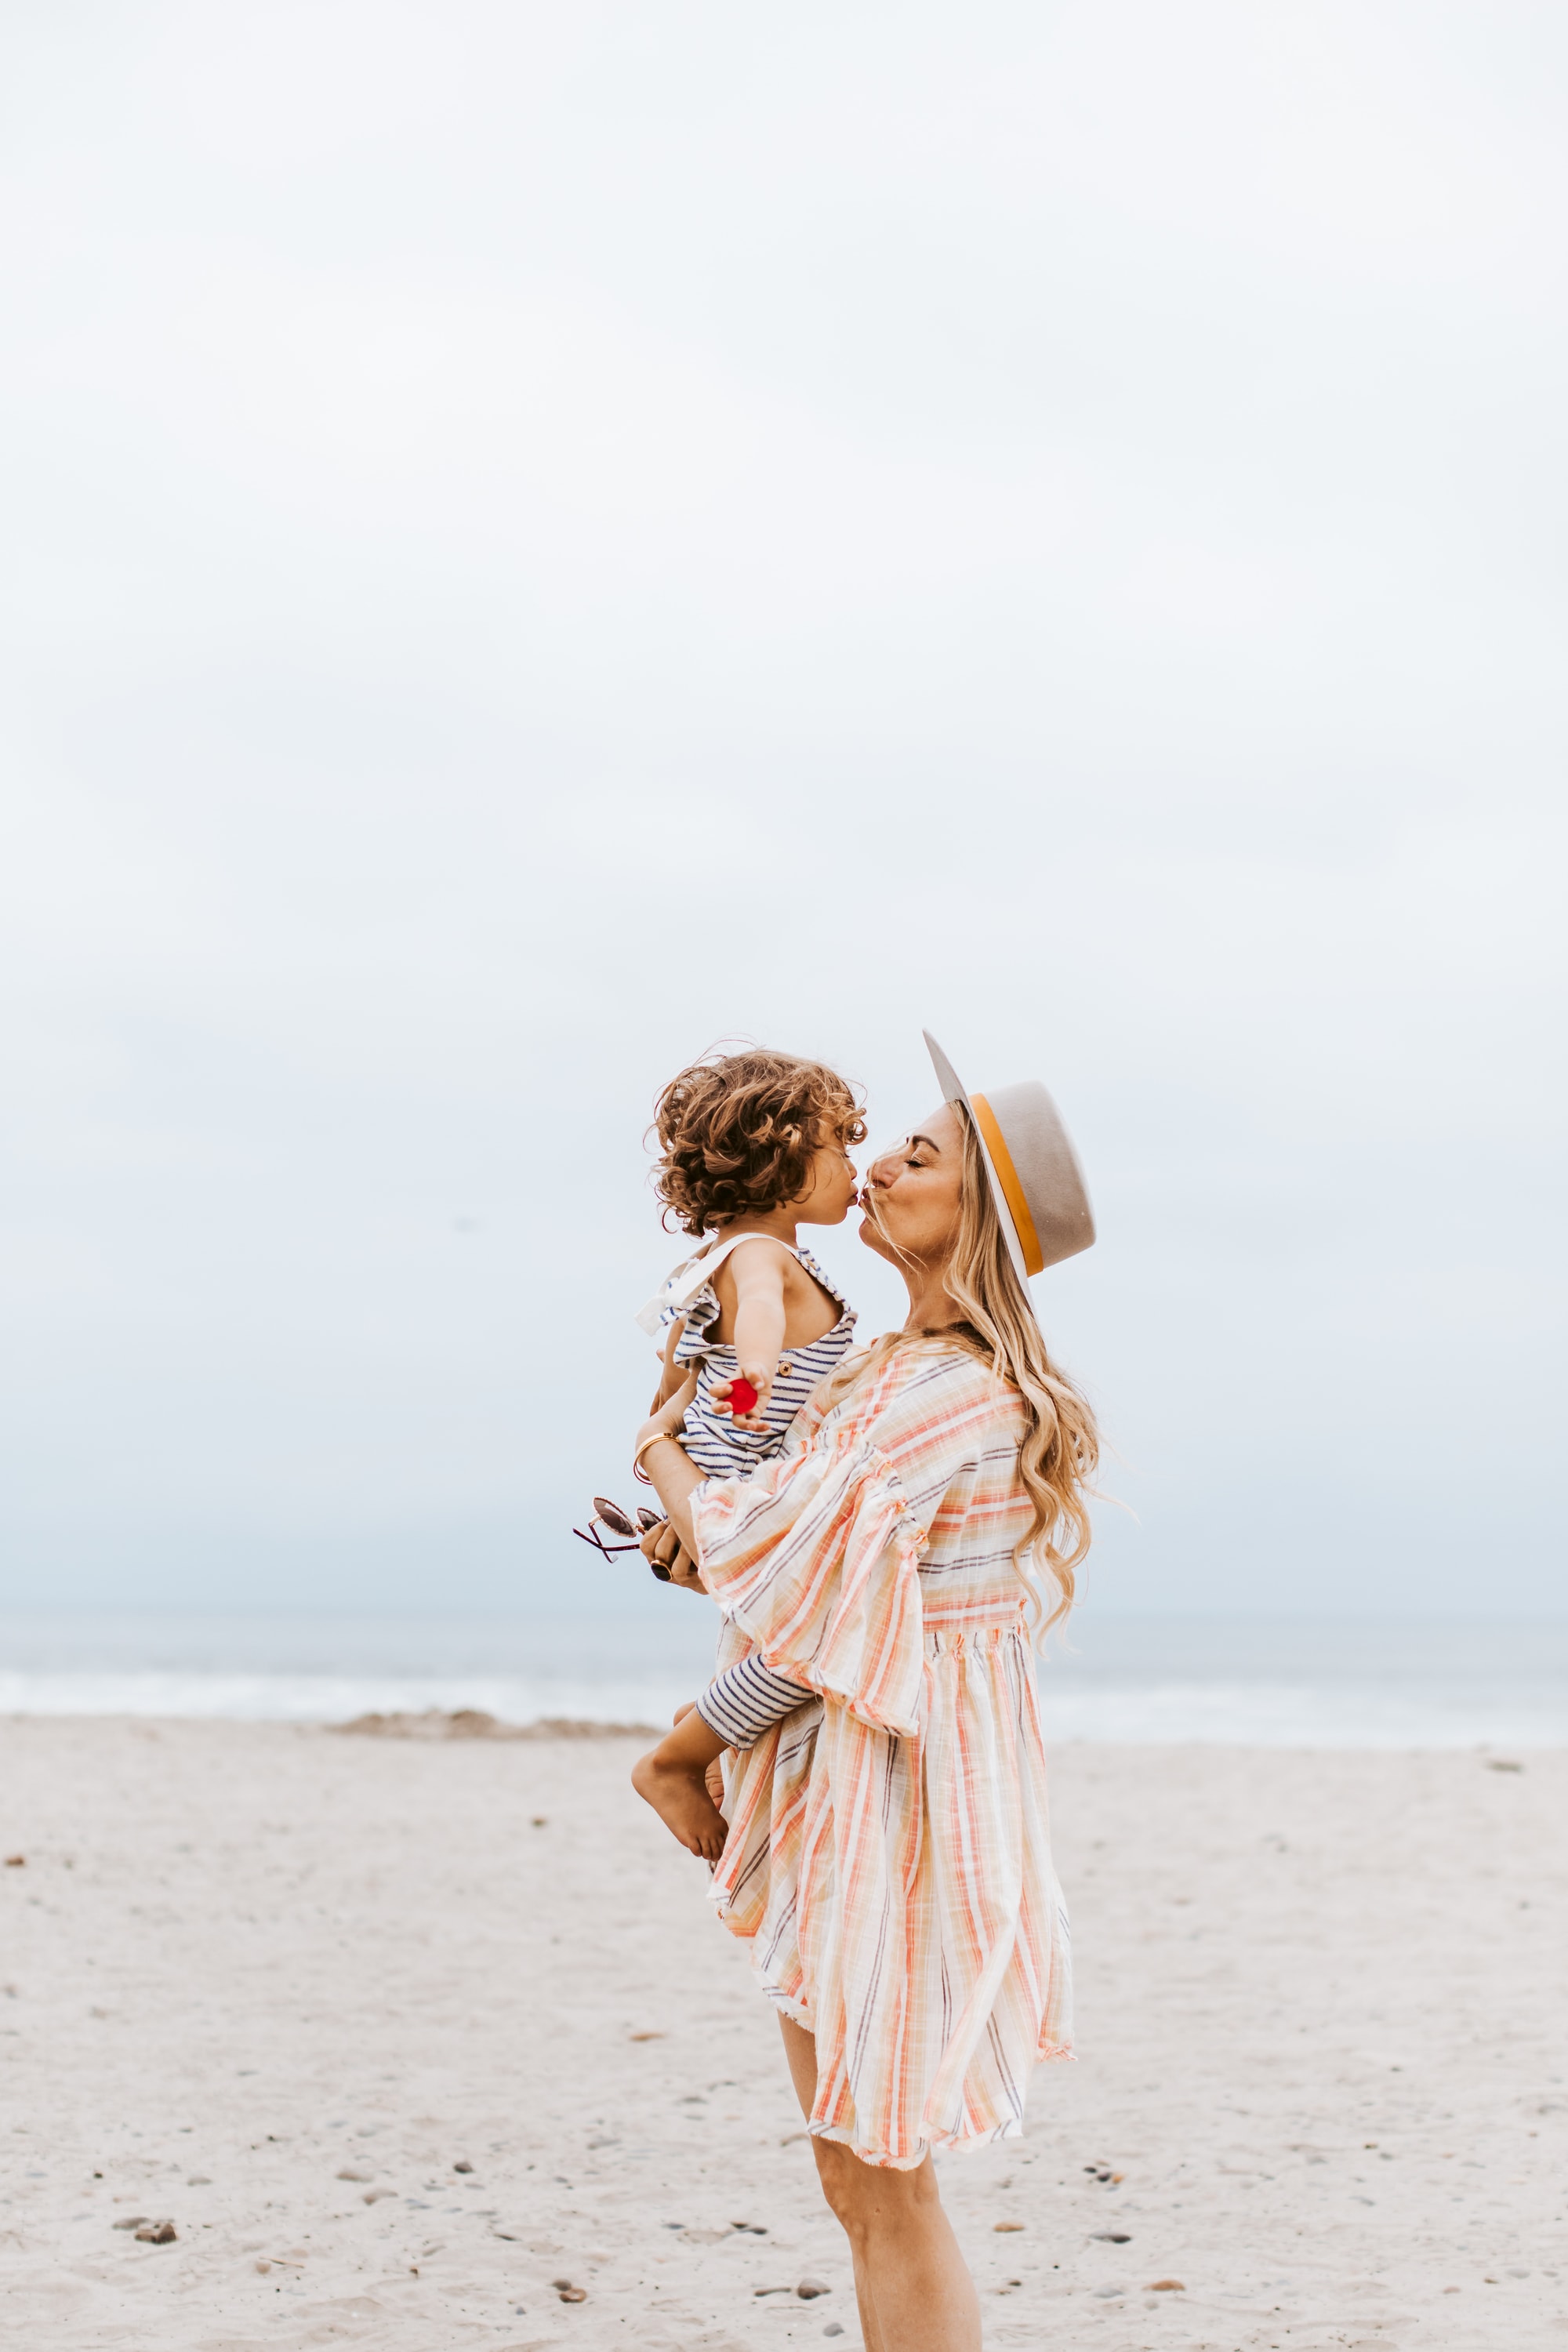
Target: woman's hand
(675, 1478)
(662, 1547)
(669, 1415)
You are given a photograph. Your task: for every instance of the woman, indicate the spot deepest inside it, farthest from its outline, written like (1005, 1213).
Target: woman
(888, 1853)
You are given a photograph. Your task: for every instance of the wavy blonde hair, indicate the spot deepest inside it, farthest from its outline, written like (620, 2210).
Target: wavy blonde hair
(1059, 1451)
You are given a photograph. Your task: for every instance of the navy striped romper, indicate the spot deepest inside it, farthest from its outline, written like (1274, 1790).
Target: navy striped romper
(748, 1698)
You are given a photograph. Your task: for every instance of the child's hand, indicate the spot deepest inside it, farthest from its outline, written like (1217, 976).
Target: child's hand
(761, 1377)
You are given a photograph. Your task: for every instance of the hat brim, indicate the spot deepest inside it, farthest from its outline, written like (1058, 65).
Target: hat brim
(954, 1090)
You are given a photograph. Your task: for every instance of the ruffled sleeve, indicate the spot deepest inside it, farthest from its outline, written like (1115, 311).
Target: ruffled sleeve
(814, 1559)
(697, 1317)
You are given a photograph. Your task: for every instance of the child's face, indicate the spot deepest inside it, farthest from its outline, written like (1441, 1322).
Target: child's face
(831, 1187)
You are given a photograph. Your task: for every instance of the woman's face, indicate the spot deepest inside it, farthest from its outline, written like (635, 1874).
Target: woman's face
(917, 1189)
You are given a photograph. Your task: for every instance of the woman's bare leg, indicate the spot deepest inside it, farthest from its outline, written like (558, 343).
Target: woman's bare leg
(912, 2284)
(800, 2049)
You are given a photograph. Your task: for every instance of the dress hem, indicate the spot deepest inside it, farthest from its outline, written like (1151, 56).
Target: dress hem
(932, 2143)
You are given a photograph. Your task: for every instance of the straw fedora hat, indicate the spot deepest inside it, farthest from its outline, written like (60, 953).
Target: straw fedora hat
(1035, 1180)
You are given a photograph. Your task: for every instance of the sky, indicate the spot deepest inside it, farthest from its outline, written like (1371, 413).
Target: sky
(541, 538)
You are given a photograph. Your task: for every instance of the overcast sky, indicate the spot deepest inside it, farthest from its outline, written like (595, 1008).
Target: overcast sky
(541, 537)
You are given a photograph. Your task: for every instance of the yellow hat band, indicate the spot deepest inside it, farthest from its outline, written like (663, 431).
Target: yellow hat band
(1008, 1177)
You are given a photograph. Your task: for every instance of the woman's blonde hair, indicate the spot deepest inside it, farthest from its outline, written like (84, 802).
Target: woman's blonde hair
(1059, 1451)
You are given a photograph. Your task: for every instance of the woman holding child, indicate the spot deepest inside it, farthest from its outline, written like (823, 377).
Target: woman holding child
(880, 1562)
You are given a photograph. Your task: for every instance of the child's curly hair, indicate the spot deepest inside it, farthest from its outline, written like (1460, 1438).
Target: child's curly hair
(737, 1134)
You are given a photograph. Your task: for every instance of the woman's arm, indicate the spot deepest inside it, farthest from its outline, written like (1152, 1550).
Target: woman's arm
(675, 1478)
(671, 1377)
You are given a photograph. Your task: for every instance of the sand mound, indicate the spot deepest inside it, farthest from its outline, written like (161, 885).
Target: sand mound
(473, 1723)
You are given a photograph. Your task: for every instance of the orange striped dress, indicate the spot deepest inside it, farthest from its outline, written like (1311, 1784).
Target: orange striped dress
(888, 1854)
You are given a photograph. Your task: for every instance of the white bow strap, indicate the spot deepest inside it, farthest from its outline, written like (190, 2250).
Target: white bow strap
(677, 1290)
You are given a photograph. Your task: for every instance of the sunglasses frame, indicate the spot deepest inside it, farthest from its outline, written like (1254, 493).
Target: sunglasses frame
(603, 1510)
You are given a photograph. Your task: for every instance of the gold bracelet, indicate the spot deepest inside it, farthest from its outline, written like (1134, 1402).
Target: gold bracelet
(656, 1439)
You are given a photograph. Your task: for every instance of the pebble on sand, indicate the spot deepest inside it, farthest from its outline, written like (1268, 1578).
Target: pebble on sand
(808, 2287)
(1166, 2286)
(568, 2292)
(348, 2173)
(1007, 2225)
(157, 2233)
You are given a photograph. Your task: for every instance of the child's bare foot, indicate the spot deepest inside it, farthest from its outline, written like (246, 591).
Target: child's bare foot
(679, 1795)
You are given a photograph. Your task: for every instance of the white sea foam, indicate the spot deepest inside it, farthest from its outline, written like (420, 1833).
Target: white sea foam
(1220, 1682)
(337, 1699)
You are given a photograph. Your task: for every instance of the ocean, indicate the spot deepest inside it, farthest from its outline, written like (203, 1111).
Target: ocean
(1286, 1683)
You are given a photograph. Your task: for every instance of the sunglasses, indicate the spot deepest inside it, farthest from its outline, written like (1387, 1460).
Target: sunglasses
(611, 1516)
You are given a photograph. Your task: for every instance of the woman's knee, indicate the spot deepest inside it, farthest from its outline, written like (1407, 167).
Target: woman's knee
(836, 2174)
(866, 2197)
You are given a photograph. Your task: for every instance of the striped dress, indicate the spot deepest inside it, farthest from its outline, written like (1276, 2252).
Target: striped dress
(888, 1854)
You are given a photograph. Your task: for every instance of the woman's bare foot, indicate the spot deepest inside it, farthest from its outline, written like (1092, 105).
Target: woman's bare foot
(679, 1795)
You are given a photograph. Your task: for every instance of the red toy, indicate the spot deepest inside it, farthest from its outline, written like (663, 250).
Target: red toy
(742, 1395)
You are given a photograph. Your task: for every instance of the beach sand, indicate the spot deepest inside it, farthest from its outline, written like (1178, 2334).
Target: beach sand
(276, 1985)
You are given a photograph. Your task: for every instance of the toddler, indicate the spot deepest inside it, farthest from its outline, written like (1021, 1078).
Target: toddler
(752, 1146)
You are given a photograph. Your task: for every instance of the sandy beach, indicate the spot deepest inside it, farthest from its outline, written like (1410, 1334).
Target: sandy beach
(397, 2034)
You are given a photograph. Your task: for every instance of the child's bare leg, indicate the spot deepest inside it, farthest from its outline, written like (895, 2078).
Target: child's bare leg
(672, 1778)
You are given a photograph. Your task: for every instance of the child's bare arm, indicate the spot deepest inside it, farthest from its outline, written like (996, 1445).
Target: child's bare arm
(759, 1323)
